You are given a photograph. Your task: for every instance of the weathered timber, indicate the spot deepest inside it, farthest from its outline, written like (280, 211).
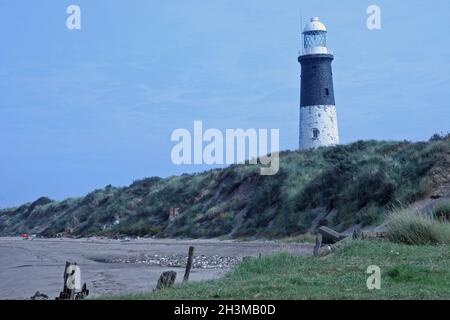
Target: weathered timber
(331, 236)
(189, 264)
(166, 280)
(72, 283)
(68, 293)
(327, 249)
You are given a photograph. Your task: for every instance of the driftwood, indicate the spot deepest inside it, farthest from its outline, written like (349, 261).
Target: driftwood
(339, 240)
(327, 249)
(69, 289)
(166, 280)
(333, 239)
(189, 264)
(331, 236)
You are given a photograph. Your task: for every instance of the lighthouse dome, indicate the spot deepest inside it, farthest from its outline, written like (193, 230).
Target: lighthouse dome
(314, 25)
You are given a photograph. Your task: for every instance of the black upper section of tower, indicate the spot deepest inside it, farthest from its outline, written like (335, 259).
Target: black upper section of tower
(316, 80)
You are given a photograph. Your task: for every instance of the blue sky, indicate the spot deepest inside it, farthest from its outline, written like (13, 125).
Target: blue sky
(83, 109)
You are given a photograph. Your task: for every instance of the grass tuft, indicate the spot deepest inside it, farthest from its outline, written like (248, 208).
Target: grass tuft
(442, 211)
(410, 226)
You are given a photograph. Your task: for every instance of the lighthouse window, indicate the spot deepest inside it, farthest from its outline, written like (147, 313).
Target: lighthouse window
(327, 91)
(315, 133)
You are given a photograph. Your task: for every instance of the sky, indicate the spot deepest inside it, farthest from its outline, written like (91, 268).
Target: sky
(82, 109)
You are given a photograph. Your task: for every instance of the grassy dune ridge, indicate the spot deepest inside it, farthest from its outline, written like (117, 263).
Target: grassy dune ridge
(342, 186)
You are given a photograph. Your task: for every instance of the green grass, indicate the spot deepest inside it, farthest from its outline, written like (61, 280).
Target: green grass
(408, 272)
(411, 226)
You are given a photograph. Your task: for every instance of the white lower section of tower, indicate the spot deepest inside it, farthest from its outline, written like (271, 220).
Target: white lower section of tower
(318, 127)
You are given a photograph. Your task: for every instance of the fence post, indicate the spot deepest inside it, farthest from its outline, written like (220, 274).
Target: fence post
(68, 293)
(166, 280)
(189, 264)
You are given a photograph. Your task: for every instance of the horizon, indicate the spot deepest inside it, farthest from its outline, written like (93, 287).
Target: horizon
(82, 109)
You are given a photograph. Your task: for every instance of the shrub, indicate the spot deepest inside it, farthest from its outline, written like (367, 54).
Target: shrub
(410, 226)
(440, 137)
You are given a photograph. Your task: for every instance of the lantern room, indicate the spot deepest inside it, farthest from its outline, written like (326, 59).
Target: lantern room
(315, 38)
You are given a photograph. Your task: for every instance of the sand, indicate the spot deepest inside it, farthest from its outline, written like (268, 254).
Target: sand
(27, 266)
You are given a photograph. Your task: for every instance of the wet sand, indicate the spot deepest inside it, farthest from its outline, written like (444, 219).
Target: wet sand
(27, 266)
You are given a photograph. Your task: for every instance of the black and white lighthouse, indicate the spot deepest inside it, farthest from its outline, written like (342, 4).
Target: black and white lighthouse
(318, 119)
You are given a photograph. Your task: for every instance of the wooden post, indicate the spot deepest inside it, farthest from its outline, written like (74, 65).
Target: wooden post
(189, 264)
(67, 294)
(318, 244)
(166, 280)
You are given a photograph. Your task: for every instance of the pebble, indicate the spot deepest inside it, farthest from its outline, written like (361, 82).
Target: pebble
(180, 260)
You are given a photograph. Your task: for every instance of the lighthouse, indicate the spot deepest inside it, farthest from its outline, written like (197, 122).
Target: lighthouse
(318, 119)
